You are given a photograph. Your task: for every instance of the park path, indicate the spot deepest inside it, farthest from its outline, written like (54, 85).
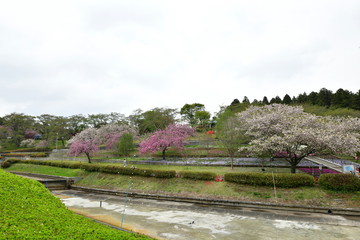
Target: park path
(326, 163)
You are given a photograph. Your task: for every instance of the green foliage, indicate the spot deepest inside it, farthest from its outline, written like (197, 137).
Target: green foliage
(8, 162)
(41, 149)
(153, 120)
(126, 144)
(332, 111)
(91, 167)
(286, 180)
(18, 123)
(48, 170)
(30, 211)
(198, 175)
(188, 112)
(340, 182)
(38, 154)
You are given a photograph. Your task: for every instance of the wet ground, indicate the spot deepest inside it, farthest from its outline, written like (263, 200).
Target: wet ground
(172, 220)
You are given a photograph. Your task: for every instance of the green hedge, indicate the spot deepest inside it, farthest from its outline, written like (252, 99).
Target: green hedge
(7, 163)
(340, 182)
(286, 180)
(41, 149)
(29, 211)
(198, 175)
(37, 154)
(93, 167)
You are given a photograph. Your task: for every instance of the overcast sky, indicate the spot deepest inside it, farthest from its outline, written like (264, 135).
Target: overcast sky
(99, 56)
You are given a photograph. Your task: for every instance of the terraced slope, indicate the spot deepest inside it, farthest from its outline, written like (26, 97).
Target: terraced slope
(29, 211)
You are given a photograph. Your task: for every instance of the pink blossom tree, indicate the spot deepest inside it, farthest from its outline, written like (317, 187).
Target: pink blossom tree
(172, 136)
(111, 133)
(86, 142)
(289, 132)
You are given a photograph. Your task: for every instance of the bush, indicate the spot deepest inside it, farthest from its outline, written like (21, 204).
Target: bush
(39, 154)
(340, 182)
(91, 167)
(198, 175)
(286, 180)
(5, 164)
(39, 149)
(8, 162)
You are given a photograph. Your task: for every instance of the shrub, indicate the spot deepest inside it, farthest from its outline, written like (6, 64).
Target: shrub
(198, 175)
(39, 154)
(340, 182)
(286, 180)
(8, 162)
(37, 149)
(91, 167)
(5, 164)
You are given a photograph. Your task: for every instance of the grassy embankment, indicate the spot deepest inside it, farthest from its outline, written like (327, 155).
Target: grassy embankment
(314, 196)
(29, 211)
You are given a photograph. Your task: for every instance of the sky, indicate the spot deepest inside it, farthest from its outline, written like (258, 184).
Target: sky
(99, 56)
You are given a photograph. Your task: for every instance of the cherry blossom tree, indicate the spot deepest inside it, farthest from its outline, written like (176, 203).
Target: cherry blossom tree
(111, 133)
(289, 132)
(172, 136)
(86, 142)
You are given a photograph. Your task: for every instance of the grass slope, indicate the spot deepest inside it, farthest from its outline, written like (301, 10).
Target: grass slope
(28, 211)
(314, 196)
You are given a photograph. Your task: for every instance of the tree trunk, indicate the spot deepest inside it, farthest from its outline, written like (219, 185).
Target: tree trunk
(88, 156)
(293, 167)
(232, 161)
(163, 154)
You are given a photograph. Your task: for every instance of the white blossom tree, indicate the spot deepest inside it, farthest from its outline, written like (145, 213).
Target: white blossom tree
(291, 133)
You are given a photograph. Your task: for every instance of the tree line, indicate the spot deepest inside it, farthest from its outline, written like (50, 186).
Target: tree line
(339, 99)
(50, 129)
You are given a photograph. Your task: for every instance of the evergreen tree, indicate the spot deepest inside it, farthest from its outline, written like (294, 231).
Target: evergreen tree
(246, 100)
(324, 97)
(235, 102)
(356, 101)
(265, 100)
(313, 98)
(277, 99)
(302, 98)
(287, 99)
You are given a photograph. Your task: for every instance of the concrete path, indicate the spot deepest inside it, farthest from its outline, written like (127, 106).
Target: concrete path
(326, 163)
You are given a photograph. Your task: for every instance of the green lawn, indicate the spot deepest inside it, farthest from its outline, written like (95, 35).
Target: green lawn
(29, 211)
(42, 169)
(219, 170)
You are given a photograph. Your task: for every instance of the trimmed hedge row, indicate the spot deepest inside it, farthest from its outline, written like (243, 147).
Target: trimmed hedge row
(40, 149)
(36, 154)
(340, 182)
(286, 180)
(210, 176)
(91, 167)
